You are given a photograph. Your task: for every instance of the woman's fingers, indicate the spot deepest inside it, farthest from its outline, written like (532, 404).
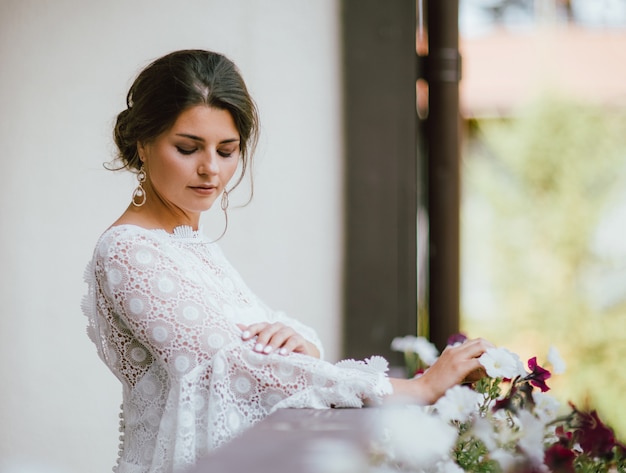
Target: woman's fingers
(472, 348)
(274, 338)
(271, 338)
(296, 343)
(251, 331)
(245, 333)
(456, 365)
(480, 346)
(475, 375)
(264, 334)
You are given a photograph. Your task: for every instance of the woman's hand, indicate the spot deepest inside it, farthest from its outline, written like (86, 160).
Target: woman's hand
(277, 338)
(456, 365)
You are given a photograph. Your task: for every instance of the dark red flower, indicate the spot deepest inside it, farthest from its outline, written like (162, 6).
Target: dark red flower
(595, 438)
(560, 459)
(564, 436)
(456, 338)
(507, 401)
(538, 375)
(419, 372)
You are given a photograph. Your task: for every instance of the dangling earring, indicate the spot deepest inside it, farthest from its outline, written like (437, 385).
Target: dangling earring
(224, 202)
(139, 194)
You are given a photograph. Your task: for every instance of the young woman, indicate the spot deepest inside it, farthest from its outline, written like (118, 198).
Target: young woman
(199, 356)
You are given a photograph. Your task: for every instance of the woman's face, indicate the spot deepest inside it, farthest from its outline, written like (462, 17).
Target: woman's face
(189, 165)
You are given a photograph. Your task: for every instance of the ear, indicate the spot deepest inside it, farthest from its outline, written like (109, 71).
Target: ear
(141, 150)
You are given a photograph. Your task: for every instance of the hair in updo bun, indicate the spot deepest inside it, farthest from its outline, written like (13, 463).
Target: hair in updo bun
(172, 84)
(127, 147)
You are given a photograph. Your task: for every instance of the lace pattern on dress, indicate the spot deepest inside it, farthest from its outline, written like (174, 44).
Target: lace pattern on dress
(90, 311)
(162, 311)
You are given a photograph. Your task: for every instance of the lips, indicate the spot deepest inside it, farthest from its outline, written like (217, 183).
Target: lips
(204, 189)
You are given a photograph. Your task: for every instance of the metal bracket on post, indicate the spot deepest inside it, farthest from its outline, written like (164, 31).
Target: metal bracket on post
(441, 65)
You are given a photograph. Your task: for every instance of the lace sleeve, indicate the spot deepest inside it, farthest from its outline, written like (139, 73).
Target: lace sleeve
(174, 312)
(164, 303)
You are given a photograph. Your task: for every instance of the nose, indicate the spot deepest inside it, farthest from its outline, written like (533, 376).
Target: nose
(209, 163)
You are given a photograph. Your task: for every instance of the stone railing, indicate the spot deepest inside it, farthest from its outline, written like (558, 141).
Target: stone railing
(297, 441)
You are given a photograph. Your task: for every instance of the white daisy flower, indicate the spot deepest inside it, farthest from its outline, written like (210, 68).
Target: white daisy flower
(415, 438)
(502, 363)
(458, 403)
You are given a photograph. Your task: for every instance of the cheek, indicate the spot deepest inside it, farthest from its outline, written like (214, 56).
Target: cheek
(230, 168)
(168, 172)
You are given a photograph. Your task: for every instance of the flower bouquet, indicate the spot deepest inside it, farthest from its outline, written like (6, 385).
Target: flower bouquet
(506, 422)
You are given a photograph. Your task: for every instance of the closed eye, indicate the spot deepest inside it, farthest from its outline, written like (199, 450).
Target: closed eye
(186, 151)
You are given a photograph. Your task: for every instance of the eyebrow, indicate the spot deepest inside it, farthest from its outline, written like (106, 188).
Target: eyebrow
(198, 138)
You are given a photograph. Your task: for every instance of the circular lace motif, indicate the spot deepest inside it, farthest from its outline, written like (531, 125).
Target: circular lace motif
(160, 334)
(135, 305)
(215, 340)
(166, 285)
(137, 354)
(114, 276)
(191, 313)
(143, 257)
(150, 386)
(182, 363)
(233, 419)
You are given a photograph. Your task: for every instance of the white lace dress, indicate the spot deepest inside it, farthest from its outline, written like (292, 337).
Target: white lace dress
(162, 312)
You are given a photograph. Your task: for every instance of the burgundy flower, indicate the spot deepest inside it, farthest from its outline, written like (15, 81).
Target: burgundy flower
(507, 401)
(456, 338)
(564, 436)
(560, 459)
(595, 438)
(538, 375)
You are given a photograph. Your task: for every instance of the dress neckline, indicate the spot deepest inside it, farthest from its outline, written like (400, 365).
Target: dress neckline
(180, 233)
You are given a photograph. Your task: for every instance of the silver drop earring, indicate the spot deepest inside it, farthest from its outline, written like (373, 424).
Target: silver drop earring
(224, 206)
(139, 194)
(224, 202)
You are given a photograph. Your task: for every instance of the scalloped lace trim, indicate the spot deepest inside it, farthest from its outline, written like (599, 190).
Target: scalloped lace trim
(376, 366)
(184, 232)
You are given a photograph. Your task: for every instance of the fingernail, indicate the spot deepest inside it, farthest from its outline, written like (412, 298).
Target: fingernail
(245, 334)
(258, 347)
(267, 349)
(283, 351)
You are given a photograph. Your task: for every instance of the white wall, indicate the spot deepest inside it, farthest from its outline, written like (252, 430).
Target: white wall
(65, 69)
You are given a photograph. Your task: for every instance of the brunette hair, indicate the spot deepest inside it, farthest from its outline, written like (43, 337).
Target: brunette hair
(172, 84)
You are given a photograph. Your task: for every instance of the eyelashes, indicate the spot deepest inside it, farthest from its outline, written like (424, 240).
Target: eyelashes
(190, 151)
(186, 151)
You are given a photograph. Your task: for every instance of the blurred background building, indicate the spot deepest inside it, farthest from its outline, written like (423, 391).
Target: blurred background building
(515, 49)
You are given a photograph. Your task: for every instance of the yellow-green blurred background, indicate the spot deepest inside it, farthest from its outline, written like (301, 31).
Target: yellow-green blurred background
(544, 188)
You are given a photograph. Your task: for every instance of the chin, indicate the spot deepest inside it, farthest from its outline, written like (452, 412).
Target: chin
(204, 208)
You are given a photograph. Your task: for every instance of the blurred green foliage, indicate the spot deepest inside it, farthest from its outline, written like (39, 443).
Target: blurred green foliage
(536, 189)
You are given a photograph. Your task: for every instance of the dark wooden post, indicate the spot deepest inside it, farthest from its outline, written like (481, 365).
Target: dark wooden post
(381, 178)
(443, 144)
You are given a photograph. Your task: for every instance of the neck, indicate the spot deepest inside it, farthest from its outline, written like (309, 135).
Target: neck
(154, 216)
